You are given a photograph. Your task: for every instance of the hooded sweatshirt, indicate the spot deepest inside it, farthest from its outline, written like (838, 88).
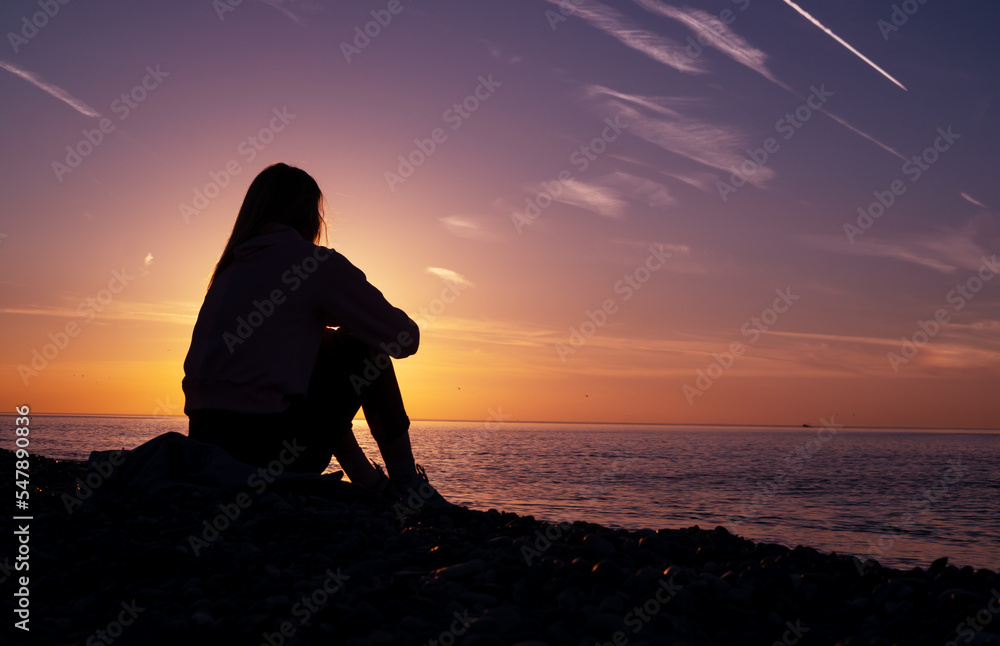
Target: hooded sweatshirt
(259, 330)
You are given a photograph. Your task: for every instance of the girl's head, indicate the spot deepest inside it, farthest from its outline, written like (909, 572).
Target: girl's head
(280, 194)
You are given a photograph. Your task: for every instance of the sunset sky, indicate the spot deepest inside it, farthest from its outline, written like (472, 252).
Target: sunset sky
(547, 188)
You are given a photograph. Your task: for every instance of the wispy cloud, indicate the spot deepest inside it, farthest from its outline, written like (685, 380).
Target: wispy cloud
(292, 8)
(472, 227)
(617, 354)
(701, 181)
(683, 259)
(598, 199)
(492, 331)
(945, 251)
(973, 200)
(842, 42)
(704, 181)
(449, 276)
(839, 338)
(672, 247)
(277, 4)
(183, 313)
(54, 90)
(790, 354)
(662, 105)
(498, 54)
(659, 48)
(655, 120)
(718, 35)
(640, 189)
(957, 347)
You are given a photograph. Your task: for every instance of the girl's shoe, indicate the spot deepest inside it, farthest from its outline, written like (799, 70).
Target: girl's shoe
(418, 492)
(384, 488)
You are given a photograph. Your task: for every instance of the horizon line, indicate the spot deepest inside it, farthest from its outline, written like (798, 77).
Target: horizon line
(530, 421)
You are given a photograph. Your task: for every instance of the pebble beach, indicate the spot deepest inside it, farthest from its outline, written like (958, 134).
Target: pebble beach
(323, 563)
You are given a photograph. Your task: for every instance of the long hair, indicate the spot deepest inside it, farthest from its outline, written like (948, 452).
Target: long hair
(280, 193)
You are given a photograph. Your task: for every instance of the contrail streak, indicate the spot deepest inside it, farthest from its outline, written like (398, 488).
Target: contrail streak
(843, 42)
(54, 90)
(973, 200)
(277, 5)
(863, 134)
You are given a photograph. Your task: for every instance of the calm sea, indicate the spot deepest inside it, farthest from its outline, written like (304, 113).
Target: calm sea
(904, 497)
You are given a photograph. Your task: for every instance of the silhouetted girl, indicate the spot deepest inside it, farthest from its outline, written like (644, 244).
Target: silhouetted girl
(267, 377)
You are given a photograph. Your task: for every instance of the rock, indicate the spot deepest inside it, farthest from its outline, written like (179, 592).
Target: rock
(224, 608)
(613, 605)
(380, 638)
(202, 618)
(461, 570)
(655, 544)
(482, 640)
(605, 624)
(366, 568)
(368, 615)
(414, 625)
(473, 598)
(566, 600)
(740, 596)
(488, 626)
(938, 566)
(607, 571)
(559, 634)
(597, 547)
(278, 604)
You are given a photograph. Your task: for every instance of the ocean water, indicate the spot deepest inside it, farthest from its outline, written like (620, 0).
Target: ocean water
(903, 497)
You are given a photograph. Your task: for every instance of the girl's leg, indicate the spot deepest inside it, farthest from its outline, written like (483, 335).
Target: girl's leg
(390, 427)
(349, 375)
(352, 374)
(354, 462)
(387, 420)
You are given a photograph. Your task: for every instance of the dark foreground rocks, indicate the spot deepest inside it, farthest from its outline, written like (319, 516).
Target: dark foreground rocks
(288, 564)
